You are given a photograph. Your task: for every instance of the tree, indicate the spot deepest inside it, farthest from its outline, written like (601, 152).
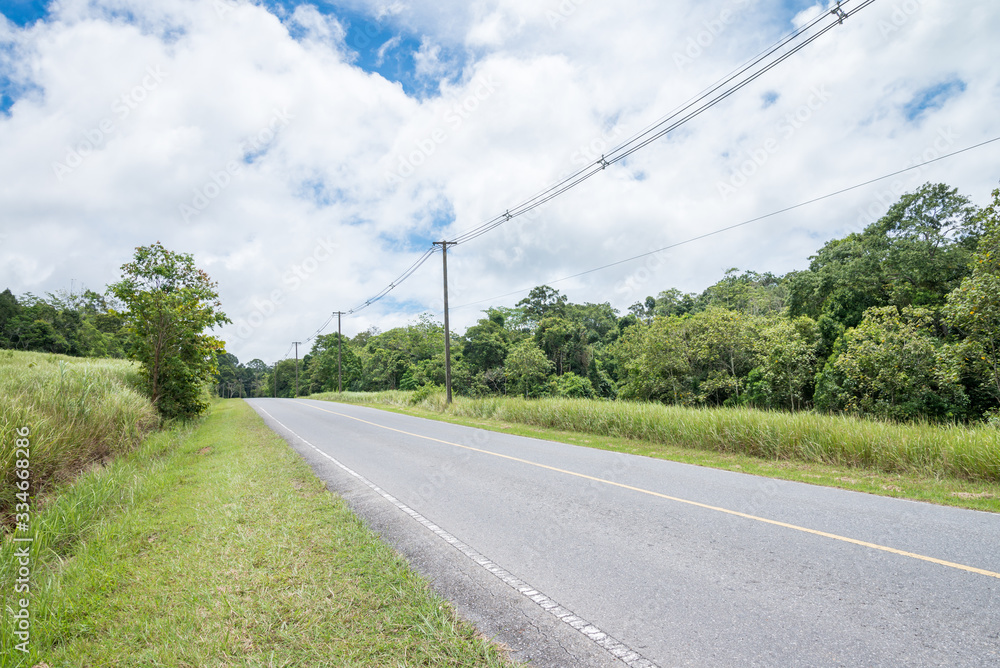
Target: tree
(170, 304)
(913, 256)
(543, 302)
(599, 320)
(561, 340)
(656, 362)
(526, 369)
(674, 302)
(487, 343)
(227, 375)
(723, 344)
(644, 310)
(323, 366)
(281, 381)
(749, 293)
(891, 366)
(9, 309)
(974, 306)
(786, 363)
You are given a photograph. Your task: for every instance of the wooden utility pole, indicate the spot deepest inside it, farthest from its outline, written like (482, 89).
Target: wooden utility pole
(297, 343)
(447, 332)
(340, 374)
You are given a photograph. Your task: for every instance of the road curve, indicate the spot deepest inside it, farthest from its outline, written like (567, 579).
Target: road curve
(573, 556)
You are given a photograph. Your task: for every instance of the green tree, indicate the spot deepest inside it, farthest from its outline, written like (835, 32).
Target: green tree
(723, 344)
(913, 256)
(563, 341)
(543, 302)
(891, 366)
(674, 302)
(9, 309)
(323, 365)
(281, 381)
(487, 343)
(656, 362)
(749, 293)
(386, 360)
(227, 376)
(170, 304)
(600, 321)
(527, 368)
(974, 306)
(786, 363)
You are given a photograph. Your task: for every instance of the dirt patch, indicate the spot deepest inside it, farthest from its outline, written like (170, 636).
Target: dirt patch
(971, 495)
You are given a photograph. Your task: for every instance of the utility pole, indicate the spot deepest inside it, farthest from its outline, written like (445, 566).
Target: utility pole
(447, 332)
(297, 343)
(340, 374)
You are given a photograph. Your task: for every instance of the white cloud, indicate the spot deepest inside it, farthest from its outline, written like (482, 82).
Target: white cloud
(314, 184)
(320, 27)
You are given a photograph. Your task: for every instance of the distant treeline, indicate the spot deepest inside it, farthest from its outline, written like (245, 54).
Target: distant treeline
(898, 321)
(81, 325)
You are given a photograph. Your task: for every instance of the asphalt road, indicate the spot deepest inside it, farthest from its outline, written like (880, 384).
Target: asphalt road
(573, 556)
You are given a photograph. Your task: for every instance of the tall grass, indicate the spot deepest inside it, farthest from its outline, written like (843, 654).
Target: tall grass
(79, 412)
(971, 453)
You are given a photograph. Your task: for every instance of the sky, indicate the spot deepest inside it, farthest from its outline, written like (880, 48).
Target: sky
(307, 153)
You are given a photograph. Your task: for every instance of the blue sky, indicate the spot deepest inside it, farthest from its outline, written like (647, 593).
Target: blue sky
(933, 97)
(380, 44)
(23, 12)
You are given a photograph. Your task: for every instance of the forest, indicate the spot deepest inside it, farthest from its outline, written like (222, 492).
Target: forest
(899, 321)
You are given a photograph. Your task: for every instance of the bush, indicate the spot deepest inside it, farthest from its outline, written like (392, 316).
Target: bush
(571, 385)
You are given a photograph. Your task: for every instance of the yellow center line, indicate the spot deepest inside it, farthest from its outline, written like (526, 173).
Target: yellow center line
(833, 536)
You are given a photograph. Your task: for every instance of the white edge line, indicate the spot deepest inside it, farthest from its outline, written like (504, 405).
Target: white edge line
(613, 646)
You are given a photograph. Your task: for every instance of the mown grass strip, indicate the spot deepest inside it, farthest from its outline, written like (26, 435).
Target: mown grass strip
(221, 548)
(904, 461)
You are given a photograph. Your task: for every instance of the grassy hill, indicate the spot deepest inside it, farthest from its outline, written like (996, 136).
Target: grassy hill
(79, 413)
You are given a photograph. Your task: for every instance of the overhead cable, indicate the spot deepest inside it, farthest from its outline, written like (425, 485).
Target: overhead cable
(738, 79)
(745, 222)
(728, 85)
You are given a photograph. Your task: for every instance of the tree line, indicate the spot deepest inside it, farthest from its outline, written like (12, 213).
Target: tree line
(81, 325)
(899, 321)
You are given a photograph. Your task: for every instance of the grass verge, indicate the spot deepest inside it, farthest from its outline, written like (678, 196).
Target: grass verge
(954, 466)
(80, 412)
(218, 546)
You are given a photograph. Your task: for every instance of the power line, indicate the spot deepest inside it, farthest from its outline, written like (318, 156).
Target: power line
(695, 107)
(389, 288)
(698, 105)
(745, 222)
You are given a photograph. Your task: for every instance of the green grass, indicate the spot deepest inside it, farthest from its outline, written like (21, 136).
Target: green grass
(218, 546)
(950, 465)
(79, 411)
(213, 546)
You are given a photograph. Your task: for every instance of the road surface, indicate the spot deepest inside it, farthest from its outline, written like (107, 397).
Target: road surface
(573, 556)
